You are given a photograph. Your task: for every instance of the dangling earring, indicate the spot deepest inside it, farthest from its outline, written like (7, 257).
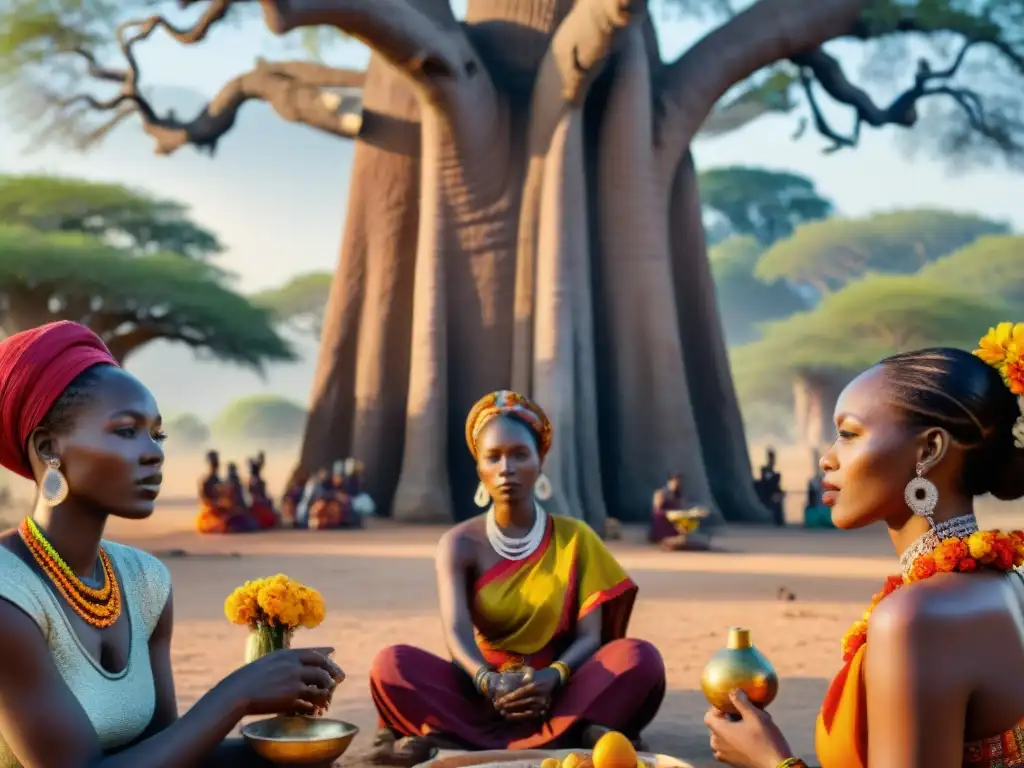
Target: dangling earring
(922, 496)
(54, 486)
(542, 489)
(482, 498)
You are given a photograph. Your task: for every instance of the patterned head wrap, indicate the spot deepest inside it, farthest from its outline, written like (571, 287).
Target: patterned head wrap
(514, 405)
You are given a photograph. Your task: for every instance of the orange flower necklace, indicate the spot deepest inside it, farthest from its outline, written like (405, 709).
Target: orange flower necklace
(981, 550)
(100, 607)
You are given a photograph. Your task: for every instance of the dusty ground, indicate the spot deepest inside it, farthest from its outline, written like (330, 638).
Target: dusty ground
(379, 589)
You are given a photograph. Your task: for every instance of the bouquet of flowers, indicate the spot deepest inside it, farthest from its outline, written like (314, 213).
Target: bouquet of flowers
(273, 608)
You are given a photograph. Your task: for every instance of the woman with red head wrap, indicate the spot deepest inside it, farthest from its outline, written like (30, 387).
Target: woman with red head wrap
(535, 610)
(87, 622)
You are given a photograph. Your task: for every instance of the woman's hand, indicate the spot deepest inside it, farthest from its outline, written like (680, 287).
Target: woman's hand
(298, 681)
(531, 701)
(754, 741)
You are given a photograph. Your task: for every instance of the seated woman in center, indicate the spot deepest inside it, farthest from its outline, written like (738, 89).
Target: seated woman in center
(535, 610)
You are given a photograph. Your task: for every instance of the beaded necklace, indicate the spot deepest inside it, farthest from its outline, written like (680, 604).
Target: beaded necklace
(99, 607)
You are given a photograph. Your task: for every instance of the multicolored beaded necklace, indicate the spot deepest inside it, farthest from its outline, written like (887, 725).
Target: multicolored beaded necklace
(100, 607)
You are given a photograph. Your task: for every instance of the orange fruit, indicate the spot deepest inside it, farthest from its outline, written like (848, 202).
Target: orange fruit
(550, 762)
(613, 750)
(572, 760)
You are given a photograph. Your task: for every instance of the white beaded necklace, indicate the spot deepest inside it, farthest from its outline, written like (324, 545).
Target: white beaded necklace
(512, 548)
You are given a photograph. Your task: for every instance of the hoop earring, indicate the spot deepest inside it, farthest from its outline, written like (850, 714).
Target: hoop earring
(481, 498)
(921, 495)
(54, 486)
(542, 489)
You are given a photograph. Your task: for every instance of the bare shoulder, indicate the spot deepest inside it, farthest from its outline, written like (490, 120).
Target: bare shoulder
(458, 545)
(954, 607)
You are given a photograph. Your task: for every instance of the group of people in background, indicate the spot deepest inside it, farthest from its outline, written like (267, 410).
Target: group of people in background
(329, 498)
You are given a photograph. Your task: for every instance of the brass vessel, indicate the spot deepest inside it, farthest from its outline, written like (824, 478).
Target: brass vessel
(299, 740)
(739, 666)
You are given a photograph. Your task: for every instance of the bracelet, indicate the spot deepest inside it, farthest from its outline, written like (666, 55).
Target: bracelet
(563, 671)
(792, 762)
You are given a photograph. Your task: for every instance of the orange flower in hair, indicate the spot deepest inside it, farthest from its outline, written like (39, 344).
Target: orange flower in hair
(1014, 376)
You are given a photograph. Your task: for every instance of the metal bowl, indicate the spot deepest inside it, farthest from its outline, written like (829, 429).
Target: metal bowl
(299, 740)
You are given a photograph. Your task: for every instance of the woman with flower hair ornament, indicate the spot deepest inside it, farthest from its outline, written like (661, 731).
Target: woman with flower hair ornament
(933, 674)
(535, 610)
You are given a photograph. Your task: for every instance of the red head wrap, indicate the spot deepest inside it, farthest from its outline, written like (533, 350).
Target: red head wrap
(36, 367)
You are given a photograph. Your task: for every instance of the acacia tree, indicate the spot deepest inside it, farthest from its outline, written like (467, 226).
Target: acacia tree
(130, 300)
(991, 266)
(826, 255)
(300, 302)
(807, 359)
(764, 204)
(745, 301)
(525, 213)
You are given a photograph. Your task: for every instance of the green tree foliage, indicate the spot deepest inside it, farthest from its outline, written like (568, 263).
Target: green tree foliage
(300, 302)
(186, 430)
(826, 255)
(991, 266)
(123, 217)
(855, 327)
(767, 205)
(743, 300)
(129, 300)
(260, 418)
(129, 266)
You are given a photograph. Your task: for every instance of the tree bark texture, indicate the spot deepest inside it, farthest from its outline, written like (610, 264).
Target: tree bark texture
(524, 214)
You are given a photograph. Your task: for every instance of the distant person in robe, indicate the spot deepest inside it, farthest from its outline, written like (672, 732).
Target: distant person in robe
(217, 511)
(261, 507)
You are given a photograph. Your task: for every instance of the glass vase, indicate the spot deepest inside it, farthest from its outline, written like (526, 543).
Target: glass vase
(264, 639)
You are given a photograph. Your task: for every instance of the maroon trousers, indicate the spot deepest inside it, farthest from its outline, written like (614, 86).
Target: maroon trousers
(416, 693)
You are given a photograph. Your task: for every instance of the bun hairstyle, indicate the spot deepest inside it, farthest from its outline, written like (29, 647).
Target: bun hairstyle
(956, 391)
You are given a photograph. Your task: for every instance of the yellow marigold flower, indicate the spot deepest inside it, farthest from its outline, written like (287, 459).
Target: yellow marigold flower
(980, 545)
(1002, 345)
(313, 609)
(241, 607)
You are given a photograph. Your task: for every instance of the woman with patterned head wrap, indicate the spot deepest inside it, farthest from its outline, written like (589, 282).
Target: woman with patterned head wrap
(85, 647)
(535, 611)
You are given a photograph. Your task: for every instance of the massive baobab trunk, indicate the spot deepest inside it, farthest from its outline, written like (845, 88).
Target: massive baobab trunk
(503, 233)
(523, 213)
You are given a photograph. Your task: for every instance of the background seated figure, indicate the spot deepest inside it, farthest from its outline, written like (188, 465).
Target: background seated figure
(535, 610)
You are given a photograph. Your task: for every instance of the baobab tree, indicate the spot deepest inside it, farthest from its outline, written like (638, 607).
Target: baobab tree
(524, 213)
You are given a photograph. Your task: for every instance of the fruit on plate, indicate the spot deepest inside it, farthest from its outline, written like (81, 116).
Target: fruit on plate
(613, 750)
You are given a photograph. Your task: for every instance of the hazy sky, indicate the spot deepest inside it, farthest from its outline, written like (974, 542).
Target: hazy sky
(279, 216)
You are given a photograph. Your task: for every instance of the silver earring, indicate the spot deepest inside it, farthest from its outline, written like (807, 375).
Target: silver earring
(542, 488)
(481, 498)
(921, 495)
(54, 486)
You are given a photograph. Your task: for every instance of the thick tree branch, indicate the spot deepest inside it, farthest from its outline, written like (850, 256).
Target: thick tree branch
(928, 82)
(582, 42)
(766, 32)
(299, 91)
(405, 36)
